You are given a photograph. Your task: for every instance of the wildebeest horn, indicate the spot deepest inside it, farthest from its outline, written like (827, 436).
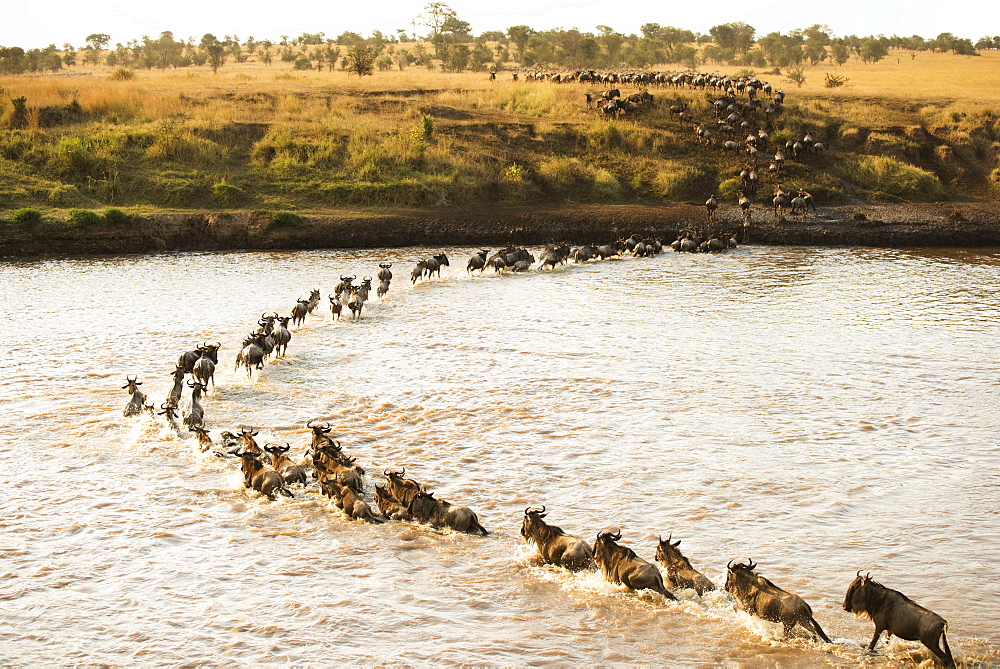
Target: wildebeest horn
(859, 573)
(729, 565)
(751, 564)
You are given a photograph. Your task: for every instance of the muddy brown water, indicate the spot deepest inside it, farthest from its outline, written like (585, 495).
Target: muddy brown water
(819, 410)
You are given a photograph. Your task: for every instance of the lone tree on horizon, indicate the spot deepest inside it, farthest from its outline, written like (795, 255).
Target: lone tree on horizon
(361, 59)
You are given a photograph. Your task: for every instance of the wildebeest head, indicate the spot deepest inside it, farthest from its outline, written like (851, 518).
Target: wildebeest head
(132, 385)
(740, 576)
(533, 522)
(859, 593)
(669, 554)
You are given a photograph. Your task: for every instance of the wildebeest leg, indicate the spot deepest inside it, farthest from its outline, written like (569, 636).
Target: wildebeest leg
(878, 633)
(945, 654)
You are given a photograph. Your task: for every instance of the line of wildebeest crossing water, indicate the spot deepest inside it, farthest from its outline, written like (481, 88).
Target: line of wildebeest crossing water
(270, 471)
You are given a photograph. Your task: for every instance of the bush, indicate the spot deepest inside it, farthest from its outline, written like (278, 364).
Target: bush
(117, 217)
(226, 193)
(893, 177)
(83, 217)
(682, 181)
(122, 74)
(285, 219)
(26, 216)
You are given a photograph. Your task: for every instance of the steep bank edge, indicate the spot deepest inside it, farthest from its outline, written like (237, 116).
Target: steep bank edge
(975, 226)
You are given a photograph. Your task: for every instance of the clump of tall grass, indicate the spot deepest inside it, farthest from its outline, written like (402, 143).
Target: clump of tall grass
(571, 177)
(678, 181)
(535, 101)
(893, 177)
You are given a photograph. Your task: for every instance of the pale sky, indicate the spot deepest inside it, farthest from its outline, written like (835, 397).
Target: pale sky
(37, 24)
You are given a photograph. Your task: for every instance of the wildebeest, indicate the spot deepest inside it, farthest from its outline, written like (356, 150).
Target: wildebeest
(439, 513)
(196, 416)
(299, 312)
(281, 463)
(384, 277)
(313, 301)
(711, 204)
(138, 401)
(356, 302)
(434, 264)
(418, 271)
(251, 355)
(281, 335)
(402, 490)
(388, 505)
(204, 441)
(895, 613)
(555, 546)
(763, 599)
(478, 261)
(174, 395)
(260, 477)
(349, 501)
(680, 573)
(336, 306)
(620, 564)
(204, 369)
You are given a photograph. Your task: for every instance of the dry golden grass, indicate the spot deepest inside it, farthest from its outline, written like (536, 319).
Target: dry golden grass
(324, 127)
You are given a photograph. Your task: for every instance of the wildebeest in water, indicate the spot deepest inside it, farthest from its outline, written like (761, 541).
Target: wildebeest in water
(620, 564)
(555, 546)
(895, 613)
(763, 599)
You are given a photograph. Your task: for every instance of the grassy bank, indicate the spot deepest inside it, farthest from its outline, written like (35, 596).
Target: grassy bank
(270, 139)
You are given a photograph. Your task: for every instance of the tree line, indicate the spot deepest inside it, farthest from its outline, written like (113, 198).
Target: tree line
(453, 47)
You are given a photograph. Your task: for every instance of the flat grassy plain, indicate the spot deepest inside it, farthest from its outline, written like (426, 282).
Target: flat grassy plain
(258, 137)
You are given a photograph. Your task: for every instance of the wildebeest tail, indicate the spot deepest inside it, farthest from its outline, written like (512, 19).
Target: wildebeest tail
(479, 528)
(944, 644)
(819, 630)
(286, 492)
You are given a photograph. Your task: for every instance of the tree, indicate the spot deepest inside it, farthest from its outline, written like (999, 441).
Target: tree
(737, 36)
(520, 35)
(872, 50)
(349, 38)
(214, 50)
(840, 53)
(492, 36)
(612, 41)
(435, 16)
(649, 30)
(798, 75)
(98, 41)
(361, 60)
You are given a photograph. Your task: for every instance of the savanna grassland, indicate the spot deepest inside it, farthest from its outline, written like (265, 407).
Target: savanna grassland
(259, 137)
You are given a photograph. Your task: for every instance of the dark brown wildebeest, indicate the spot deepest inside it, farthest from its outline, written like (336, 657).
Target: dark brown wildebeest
(439, 513)
(349, 501)
(138, 401)
(388, 505)
(291, 472)
(555, 546)
(680, 573)
(260, 477)
(895, 613)
(402, 490)
(620, 564)
(330, 463)
(763, 599)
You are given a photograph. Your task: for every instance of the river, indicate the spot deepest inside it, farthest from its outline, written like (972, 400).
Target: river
(821, 411)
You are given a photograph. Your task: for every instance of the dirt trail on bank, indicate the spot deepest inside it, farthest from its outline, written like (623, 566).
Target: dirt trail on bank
(962, 225)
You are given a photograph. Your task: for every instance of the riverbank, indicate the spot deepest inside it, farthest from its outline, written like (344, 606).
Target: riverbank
(964, 225)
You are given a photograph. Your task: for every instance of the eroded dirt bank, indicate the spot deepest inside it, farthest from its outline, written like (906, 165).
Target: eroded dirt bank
(963, 226)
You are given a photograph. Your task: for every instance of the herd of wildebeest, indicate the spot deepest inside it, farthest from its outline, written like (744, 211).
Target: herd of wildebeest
(742, 115)
(270, 471)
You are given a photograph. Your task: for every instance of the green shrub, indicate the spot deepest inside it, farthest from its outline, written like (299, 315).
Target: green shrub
(83, 217)
(122, 74)
(64, 194)
(285, 219)
(117, 217)
(893, 177)
(26, 216)
(680, 181)
(226, 193)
